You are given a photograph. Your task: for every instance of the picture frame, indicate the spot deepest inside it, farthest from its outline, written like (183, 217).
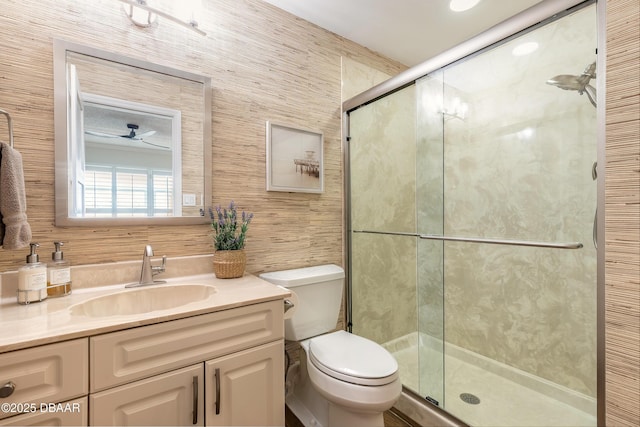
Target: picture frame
(295, 159)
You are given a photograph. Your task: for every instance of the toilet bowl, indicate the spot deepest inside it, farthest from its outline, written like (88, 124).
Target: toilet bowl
(343, 379)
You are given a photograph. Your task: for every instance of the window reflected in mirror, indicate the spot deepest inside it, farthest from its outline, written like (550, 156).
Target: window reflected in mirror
(132, 160)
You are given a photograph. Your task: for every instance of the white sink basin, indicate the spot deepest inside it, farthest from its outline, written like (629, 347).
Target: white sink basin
(143, 300)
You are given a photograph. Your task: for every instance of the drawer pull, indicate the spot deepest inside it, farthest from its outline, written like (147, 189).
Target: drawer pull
(217, 374)
(195, 400)
(7, 389)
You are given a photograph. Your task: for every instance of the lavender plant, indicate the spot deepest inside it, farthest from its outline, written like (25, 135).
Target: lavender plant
(228, 235)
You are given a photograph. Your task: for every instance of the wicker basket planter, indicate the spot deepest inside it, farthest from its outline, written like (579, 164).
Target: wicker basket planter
(229, 264)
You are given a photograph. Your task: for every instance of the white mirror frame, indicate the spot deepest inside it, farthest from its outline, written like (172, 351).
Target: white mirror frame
(61, 119)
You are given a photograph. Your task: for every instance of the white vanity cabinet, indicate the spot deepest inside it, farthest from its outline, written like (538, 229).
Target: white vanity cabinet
(34, 378)
(172, 399)
(246, 388)
(179, 372)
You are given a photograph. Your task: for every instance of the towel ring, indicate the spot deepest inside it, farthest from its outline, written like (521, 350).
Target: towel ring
(10, 125)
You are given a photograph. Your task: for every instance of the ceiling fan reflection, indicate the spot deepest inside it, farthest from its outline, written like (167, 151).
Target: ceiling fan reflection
(132, 135)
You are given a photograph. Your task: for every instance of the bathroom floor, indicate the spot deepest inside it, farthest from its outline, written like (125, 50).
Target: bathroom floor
(290, 420)
(391, 419)
(502, 402)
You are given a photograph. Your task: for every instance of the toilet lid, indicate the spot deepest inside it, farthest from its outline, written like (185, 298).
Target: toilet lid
(353, 359)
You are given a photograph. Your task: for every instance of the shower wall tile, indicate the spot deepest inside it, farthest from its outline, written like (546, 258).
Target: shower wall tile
(358, 77)
(383, 169)
(384, 291)
(382, 151)
(526, 307)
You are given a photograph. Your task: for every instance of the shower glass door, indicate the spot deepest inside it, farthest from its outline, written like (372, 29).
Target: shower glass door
(383, 207)
(472, 258)
(512, 184)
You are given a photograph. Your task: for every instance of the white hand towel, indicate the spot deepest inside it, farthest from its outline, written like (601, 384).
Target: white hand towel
(15, 232)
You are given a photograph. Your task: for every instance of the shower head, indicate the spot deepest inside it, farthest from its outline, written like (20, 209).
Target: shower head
(568, 82)
(578, 83)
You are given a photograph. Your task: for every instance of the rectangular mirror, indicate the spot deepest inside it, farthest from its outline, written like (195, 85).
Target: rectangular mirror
(133, 140)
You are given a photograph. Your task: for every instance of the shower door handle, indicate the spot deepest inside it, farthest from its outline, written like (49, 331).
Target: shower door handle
(552, 245)
(563, 245)
(594, 175)
(595, 229)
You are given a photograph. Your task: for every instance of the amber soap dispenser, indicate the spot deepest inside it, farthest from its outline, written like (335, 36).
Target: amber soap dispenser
(58, 273)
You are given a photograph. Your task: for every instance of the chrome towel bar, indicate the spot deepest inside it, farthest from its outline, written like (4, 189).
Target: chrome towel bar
(9, 125)
(564, 245)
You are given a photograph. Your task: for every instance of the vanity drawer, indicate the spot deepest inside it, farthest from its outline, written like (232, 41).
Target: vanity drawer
(133, 354)
(72, 413)
(47, 374)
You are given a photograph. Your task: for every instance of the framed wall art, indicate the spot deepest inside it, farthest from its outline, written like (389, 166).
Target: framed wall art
(294, 159)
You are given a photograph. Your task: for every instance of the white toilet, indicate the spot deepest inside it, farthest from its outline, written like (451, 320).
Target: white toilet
(345, 380)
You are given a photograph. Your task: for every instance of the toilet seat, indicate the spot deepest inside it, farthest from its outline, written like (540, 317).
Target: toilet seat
(353, 359)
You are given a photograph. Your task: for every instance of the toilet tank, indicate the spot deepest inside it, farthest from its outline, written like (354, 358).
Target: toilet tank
(319, 292)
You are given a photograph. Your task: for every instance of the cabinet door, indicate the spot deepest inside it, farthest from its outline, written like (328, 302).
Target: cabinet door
(172, 399)
(246, 388)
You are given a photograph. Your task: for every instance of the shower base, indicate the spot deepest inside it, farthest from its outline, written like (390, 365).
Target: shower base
(507, 396)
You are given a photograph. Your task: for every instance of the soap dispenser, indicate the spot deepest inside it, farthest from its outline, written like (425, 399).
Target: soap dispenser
(58, 273)
(32, 278)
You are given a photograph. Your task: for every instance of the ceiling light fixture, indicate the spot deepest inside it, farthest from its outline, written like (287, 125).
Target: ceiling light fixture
(462, 5)
(143, 15)
(458, 110)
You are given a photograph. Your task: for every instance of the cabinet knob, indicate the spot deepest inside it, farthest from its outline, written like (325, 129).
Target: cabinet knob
(7, 389)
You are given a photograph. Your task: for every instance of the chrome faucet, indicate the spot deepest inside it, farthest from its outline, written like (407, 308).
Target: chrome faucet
(148, 270)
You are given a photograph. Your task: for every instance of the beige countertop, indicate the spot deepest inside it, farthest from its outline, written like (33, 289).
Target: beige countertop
(52, 320)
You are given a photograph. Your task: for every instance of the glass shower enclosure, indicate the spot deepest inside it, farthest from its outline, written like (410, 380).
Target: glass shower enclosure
(471, 228)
